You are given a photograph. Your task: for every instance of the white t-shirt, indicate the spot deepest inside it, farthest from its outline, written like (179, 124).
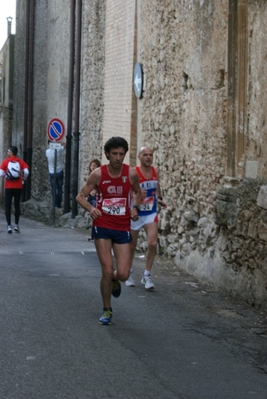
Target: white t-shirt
(50, 155)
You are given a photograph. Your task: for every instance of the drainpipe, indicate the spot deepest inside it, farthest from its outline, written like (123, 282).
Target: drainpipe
(26, 92)
(30, 110)
(70, 107)
(76, 132)
(9, 82)
(9, 25)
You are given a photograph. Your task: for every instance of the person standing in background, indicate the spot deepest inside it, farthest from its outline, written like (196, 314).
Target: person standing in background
(15, 171)
(95, 163)
(50, 156)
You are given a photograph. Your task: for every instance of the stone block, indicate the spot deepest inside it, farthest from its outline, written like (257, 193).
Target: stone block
(228, 194)
(251, 170)
(163, 242)
(202, 222)
(262, 231)
(252, 229)
(191, 216)
(262, 197)
(180, 230)
(225, 213)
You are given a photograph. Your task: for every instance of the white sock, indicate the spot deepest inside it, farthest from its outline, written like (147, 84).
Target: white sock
(147, 273)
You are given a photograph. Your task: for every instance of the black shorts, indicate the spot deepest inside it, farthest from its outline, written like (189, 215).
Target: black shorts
(116, 236)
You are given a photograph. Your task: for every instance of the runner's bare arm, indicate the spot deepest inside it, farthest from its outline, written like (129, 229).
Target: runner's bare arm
(92, 181)
(136, 187)
(137, 193)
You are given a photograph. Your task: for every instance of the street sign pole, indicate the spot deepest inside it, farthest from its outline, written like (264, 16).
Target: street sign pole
(55, 147)
(55, 133)
(54, 190)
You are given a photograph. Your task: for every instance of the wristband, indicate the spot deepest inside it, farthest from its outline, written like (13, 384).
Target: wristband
(137, 208)
(159, 198)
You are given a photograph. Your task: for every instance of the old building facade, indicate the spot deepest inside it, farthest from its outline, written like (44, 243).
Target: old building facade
(6, 95)
(202, 111)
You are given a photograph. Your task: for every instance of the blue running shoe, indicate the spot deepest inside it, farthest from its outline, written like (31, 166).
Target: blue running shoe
(105, 319)
(116, 288)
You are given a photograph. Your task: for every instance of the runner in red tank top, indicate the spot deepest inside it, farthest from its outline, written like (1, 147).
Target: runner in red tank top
(114, 195)
(115, 183)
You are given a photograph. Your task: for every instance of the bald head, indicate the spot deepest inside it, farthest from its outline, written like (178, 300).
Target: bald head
(144, 149)
(145, 157)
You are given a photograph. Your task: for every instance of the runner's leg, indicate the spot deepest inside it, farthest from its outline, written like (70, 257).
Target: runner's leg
(122, 254)
(133, 244)
(103, 248)
(8, 202)
(17, 196)
(151, 230)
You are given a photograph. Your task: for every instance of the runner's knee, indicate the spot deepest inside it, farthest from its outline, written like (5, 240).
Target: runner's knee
(123, 275)
(152, 244)
(107, 272)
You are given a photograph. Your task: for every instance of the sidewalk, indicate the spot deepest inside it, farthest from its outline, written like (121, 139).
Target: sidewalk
(240, 327)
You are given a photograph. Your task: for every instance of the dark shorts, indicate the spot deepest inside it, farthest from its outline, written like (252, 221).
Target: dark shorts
(116, 236)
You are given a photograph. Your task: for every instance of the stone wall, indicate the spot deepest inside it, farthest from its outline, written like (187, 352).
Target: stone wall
(257, 99)
(119, 64)
(51, 78)
(6, 100)
(183, 51)
(50, 82)
(51, 67)
(107, 107)
(92, 87)
(213, 227)
(19, 75)
(5, 140)
(241, 214)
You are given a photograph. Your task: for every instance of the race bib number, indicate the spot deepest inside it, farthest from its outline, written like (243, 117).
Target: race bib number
(147, 204)
(114, 206)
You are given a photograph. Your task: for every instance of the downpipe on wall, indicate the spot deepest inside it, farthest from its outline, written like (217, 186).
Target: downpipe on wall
(76, 133)
(26, 92)
(28, 96)
(67, 189)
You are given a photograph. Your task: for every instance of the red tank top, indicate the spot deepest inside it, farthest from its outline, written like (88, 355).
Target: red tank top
(114, 199)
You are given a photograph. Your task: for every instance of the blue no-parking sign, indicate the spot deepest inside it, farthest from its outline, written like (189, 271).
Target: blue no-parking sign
(55, 130)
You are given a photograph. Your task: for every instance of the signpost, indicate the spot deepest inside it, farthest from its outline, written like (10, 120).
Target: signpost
(55, 133)
(55, 130)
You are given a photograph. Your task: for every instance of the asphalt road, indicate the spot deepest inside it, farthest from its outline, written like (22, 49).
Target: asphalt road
(183, 341)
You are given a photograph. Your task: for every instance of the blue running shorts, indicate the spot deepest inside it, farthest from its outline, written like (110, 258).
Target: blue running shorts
(116, 236)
